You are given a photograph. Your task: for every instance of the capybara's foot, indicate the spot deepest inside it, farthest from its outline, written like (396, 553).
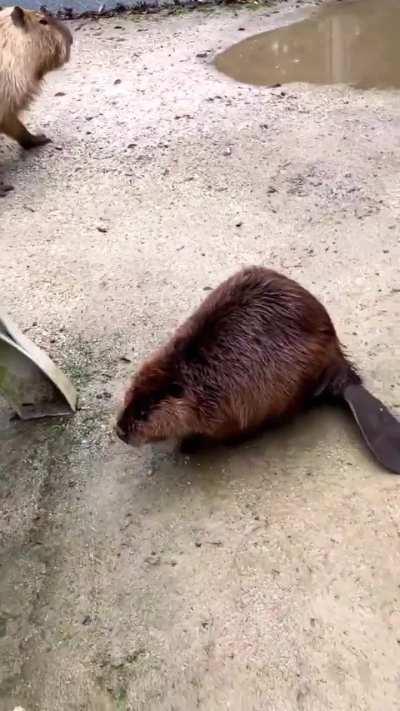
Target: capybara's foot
(14, 128)
(32, 141)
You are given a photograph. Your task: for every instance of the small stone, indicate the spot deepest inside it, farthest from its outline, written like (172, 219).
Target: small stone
(103, 230)
(86, 620)
(153, 560)
(106, 395)
(60, 93)
(117, 81)
(134, 656)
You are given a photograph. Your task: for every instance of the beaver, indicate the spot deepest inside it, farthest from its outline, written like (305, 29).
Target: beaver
(258, 350)
(31, 45)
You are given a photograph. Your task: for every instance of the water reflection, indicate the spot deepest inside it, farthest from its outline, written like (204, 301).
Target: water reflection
(354, 42)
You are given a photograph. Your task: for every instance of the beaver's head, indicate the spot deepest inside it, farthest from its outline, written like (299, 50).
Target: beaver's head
(155, 408)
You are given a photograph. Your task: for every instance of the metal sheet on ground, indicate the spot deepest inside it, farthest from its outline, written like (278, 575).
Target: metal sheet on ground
(29, 380)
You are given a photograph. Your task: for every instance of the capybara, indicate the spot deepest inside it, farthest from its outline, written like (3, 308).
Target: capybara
(31, 45)
(258, 349)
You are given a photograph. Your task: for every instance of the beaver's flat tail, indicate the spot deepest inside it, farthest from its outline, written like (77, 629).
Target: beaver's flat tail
(380, 429)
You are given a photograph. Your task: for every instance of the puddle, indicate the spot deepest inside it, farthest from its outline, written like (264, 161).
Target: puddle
(354, 43)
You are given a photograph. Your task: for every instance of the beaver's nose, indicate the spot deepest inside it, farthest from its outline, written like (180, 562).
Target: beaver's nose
(120, 432)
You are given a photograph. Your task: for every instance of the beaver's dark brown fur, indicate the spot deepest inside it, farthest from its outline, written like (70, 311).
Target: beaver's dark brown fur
(257, 350)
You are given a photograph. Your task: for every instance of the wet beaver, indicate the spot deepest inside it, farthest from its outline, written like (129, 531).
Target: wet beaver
(257, 350)
(31, 45)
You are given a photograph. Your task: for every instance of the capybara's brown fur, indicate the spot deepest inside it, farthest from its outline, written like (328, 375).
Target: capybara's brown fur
(31, 45)
(256, 351)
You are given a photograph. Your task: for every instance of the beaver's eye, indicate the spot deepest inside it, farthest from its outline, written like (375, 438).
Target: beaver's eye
(175, 390)
(43, 21)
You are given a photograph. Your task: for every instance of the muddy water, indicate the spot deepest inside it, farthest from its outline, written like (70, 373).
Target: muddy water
(355, 42)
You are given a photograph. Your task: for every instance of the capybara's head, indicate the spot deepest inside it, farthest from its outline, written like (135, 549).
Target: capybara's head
(155, 408)
(47, 41)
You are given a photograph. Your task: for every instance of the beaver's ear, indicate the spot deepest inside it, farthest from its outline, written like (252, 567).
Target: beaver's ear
(18, 16)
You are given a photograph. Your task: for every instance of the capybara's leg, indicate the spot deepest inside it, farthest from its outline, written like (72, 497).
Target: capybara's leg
(15, 129)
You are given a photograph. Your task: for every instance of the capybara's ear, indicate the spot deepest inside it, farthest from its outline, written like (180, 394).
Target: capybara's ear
(18, 16)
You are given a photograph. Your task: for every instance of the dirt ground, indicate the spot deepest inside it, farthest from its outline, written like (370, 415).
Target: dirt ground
(264, 578)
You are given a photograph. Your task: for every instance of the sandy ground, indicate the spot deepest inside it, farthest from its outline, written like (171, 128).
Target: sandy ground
(263, 578)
